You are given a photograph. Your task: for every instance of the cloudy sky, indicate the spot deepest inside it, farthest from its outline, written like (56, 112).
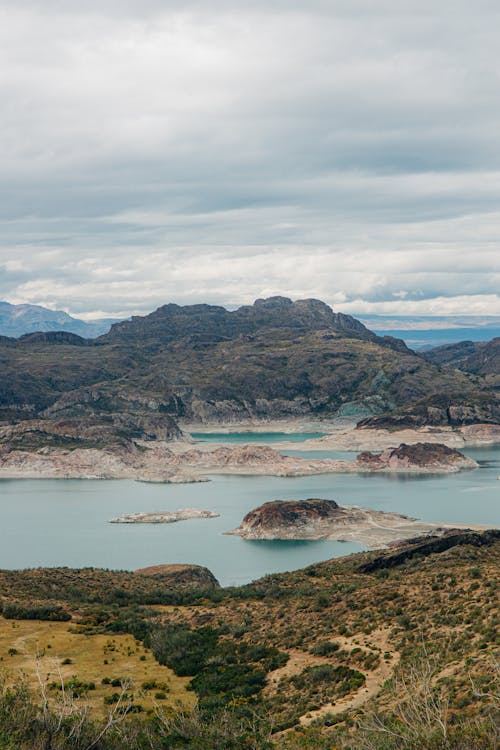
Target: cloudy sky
(219, 151)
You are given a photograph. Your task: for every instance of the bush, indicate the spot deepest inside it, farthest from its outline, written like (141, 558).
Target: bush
(325, 648)
(50, 612)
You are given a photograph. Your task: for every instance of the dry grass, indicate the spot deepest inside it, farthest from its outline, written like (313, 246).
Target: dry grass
(43, 646)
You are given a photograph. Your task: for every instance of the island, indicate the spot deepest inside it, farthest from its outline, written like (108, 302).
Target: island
(172, 516)
(319, 519)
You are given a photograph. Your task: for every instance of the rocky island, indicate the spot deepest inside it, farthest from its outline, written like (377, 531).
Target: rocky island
(418, 456)
(326, 520)
(173, 516)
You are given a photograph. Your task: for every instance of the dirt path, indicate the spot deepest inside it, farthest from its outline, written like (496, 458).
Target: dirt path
(299, 660)
(374, 678)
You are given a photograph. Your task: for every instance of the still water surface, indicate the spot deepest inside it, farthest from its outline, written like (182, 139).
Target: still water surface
(65, 522)
(255, 437)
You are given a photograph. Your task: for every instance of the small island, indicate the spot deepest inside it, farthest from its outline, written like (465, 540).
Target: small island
(317, 519)
(172, 516)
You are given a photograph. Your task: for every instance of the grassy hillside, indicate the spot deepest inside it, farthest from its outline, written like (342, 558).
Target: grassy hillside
(381, 651)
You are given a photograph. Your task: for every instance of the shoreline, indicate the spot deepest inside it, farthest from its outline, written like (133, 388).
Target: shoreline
(186, 461)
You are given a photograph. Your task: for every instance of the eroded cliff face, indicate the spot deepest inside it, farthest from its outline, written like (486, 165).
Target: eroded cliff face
(117, 429)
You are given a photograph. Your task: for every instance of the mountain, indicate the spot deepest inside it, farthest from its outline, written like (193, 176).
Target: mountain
(16, 320)
(172, 322)
(273, 359)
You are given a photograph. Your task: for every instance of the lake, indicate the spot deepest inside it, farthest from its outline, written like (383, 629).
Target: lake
(65, 522)
(255, 437)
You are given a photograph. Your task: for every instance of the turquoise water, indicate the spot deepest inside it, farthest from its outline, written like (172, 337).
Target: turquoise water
(255, 437)
(65, 522)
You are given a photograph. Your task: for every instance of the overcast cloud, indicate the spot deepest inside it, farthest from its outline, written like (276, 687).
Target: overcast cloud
(218, 151)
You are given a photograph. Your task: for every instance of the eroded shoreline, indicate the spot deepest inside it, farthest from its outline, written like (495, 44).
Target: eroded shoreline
(182, 462)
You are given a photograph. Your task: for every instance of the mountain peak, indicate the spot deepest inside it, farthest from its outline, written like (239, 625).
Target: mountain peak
(172, 322)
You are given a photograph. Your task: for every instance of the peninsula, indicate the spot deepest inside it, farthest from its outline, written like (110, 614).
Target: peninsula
(324, 519)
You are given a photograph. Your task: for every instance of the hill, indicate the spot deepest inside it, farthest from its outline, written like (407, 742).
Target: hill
(478, 358)
(392, 650)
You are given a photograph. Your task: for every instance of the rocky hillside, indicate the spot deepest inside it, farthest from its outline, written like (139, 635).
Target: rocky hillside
(478, 358)
(273, 359)
(440, 410)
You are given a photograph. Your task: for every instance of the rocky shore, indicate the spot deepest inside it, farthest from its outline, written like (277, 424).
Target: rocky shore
(351, 438)
(155, 461)
(314, 519)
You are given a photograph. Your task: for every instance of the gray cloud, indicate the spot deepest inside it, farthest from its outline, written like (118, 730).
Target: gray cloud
(161, 151)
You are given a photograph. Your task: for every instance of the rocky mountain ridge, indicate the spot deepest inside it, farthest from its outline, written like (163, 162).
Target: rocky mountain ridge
(275, 359)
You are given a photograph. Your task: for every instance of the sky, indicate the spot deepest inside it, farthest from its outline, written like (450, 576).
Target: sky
(219, 151)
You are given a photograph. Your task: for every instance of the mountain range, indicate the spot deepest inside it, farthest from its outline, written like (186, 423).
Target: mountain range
(274, 359)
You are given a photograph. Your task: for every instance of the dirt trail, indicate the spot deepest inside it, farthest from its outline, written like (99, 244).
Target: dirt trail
(299, 660)
(374, 678)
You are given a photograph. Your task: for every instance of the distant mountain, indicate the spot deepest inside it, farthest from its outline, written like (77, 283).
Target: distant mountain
(427, 331)
(16, 320)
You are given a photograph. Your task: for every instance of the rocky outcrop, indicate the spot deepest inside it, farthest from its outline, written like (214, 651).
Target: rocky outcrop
(430, 456)
(181, 576)
(289, 519)
(440, 410)
(422, 547)
(325, 519)
(115, 429)
(208, 322)
(155, 461)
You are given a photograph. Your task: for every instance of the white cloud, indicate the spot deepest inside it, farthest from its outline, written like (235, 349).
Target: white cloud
(167, 151)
